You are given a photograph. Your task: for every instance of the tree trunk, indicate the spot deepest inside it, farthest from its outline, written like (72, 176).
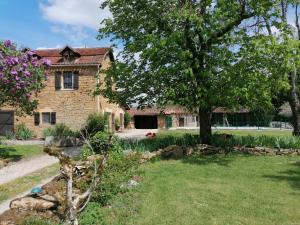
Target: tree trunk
(205, 116)
(71, 214)
(294, 102)
(295, 107)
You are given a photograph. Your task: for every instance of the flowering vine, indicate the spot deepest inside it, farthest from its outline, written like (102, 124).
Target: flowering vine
(22, 76)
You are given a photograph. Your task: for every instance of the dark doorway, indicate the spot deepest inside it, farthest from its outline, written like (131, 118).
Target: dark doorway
(6, 122)
(145, 122)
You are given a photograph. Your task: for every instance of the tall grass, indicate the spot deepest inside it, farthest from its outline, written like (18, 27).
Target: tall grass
(218, 140)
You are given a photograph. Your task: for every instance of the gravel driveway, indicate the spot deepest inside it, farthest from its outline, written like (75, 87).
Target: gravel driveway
(135, 133)
(24, 167)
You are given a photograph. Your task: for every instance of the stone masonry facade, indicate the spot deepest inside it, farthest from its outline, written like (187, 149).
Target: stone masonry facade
(72, 106)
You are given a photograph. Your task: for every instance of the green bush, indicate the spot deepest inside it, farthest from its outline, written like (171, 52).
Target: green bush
(117, 124)
(95, 122)
(91, 215)
(218, 140)
(103, 143)
(34, 220)
(159, 142)
(119, 170)
(23, 133)
(127, 119)
(9, 135)
(62, 130)
(49, 131)
(257, 141)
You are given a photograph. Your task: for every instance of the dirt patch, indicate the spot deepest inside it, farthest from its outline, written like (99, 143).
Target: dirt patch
(57, 189)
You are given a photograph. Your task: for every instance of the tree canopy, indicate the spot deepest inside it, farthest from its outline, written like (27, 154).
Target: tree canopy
(197, 54)
(22, 75)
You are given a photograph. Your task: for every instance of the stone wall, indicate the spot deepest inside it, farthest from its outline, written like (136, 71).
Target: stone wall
(177, 152)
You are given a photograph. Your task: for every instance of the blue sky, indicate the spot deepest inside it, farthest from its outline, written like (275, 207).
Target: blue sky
(51, 23)
(54, 23)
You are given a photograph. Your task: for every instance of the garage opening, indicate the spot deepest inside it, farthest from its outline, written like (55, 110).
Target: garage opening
(6, 122)
(145, 122)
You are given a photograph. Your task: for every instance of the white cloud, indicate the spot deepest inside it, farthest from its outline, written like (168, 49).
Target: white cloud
(74, 18)
(74, 33)
(80, 13)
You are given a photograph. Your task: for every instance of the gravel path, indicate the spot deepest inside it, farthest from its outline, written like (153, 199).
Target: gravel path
(5, 205)
(20, 142)
(135, 134)
(24, 167)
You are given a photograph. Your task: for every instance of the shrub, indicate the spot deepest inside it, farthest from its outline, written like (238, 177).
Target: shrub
(127, 119)
(103, 143)
(48, 132)
(91, 215)
(62, 130)
(117, 124)
(23, 133)
(159, 142)
(9, 135)
(95, 122)
(36, 221)
(119, 170)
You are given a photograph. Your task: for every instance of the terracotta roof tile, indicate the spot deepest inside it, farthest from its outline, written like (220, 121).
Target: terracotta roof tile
(168, 110)
(86, 55)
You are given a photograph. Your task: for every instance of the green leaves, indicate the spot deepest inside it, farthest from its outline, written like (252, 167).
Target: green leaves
(191, 53)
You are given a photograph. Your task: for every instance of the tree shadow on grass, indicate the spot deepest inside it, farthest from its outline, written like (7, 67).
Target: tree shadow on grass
(7, 154)
(292, 176)
(219, 159)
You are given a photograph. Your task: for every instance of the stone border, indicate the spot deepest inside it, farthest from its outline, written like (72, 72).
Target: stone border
(177, 152)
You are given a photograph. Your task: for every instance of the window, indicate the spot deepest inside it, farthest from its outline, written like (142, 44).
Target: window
(46, 118)
(68, 80)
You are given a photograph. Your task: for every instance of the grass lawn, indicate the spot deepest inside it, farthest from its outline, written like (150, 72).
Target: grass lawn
(22, 184)
(18, 152)
(209, 190)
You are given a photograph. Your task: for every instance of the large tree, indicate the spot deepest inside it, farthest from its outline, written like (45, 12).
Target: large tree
(286, 32)
(22, 76)
(199, 54)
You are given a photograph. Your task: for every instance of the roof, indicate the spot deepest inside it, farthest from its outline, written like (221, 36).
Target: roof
(168, 110)
(154, 111)
(82, 55)
(226, 110)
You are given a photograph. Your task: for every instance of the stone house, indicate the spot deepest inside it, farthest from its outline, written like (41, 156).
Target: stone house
(67, 97)
(166, 117)
(179, 117)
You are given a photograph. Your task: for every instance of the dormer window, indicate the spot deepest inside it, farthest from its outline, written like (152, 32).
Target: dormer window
(69, 55)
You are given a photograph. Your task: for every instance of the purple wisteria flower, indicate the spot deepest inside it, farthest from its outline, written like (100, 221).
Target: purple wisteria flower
(7, 43)
(47, 62)
(14, 72)
(26, 73)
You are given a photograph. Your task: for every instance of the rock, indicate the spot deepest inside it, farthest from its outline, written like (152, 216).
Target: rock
(147, 156)
(128, 152)
(132, 183)
(30, 203)
(49, 140)
(188, 151)
(129, 184)
(173, 151)
(2, 163)
(48, 198)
